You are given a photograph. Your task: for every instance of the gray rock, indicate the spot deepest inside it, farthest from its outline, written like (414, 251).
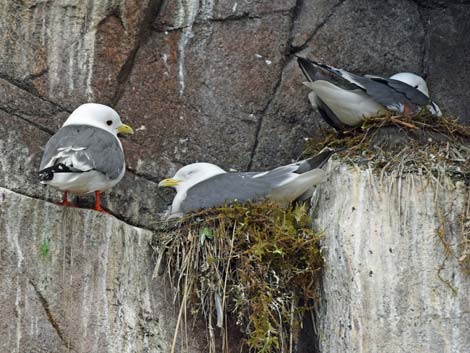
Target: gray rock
(389, 280)
(446, 66)
(79, 281)
(200, 92)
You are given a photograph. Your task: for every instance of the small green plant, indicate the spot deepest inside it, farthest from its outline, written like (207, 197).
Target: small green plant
(45, 247)
(260, 263)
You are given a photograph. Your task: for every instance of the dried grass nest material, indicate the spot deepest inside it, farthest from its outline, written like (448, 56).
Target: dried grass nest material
(258, 264)
(421, 144)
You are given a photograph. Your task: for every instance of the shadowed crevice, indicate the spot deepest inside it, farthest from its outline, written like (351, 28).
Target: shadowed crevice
(50, 317)
(294, 12)
(36, 125)
(31, 90)
(152, 12)
(296, 49)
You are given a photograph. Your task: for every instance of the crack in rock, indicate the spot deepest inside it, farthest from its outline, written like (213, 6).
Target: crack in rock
(30, 90)
(50, 317)
(153, 10)
(296, 49)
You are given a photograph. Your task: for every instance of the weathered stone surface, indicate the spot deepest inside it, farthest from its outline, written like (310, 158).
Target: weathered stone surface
(447, 72)
(78, 281)
(287, 123)
(211, 81)
(193, 91)
(52, 46)
(388, 276)
(310, 17)
(183, 13)
(370, 37)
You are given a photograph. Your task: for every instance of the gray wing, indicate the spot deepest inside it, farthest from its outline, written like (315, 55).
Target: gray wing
(82, 148)
(389, 92)
(224, 188)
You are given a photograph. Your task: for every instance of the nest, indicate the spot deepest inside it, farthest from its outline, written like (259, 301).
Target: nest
(422, 144)
(257, 263)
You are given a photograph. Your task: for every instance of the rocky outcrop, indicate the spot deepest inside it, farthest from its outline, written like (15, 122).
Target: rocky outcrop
(78, 281)
(394, 280)
(217, 81)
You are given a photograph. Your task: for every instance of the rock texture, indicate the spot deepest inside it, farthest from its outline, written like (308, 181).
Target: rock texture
(390, 284)
(215, 81)
(205, 80)
(78, 281)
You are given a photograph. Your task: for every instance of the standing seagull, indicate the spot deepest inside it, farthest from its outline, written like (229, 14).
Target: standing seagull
(85, 155)
(403, 93)
(205, 185)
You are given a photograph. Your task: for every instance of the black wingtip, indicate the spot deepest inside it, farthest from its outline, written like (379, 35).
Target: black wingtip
(47, 174)
(319, 160)
(307, 68)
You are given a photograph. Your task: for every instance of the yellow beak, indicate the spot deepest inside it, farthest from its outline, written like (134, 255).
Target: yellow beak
(125, 129)
(165, 183)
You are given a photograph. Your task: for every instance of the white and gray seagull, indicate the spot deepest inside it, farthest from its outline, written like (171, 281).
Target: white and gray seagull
(205, 185)
(85, 155)
(403, 93)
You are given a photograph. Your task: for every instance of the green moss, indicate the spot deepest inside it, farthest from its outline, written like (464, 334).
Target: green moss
(44, 248)
(260, 259)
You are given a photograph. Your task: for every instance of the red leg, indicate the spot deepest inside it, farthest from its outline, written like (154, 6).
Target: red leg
(98, 202)
(65, 201)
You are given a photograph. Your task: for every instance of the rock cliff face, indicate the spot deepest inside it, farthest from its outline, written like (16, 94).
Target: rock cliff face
(78, 281)
(393, 280)
(217, 81)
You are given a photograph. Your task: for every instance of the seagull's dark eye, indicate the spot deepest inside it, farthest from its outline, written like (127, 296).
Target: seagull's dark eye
(416, 86)
(109, 122)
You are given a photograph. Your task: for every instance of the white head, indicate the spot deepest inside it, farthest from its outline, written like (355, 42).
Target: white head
(412, 80)
(191, 174)
(100, 116)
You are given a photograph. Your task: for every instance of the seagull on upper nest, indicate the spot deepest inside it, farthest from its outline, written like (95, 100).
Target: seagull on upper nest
(85, 155)
(403, 93)
(205, 185)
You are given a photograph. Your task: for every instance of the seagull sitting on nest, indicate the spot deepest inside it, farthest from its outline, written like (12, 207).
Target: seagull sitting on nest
(85, 155)
(403, 93)
(205, 185)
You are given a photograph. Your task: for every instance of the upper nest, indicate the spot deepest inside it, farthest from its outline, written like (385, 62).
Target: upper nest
(418, 144)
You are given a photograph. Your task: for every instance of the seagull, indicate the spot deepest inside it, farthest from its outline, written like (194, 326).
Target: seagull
(206, 185)
(85, 155)
(403, 93)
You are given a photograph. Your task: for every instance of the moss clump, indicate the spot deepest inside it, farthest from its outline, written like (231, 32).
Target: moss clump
(257, 262)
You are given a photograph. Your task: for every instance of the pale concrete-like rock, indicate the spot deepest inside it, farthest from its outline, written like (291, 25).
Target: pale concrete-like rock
(386, 268)
(78, 281)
